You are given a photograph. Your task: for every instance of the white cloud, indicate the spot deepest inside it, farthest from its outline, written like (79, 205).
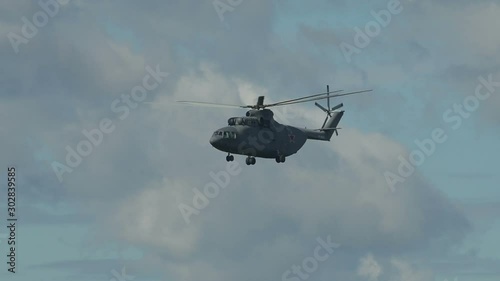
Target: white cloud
(405, 272)
(369, 268)
(268, 217)
(151, 218)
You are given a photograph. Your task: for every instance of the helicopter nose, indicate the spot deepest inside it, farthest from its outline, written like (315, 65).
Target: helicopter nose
(214, 140)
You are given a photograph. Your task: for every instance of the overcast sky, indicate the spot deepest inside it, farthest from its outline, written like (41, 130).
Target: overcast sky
(108, 185)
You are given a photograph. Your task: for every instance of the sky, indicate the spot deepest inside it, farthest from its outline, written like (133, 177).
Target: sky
(114, 181)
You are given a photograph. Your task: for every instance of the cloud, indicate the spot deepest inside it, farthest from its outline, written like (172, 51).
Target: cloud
(257, 216)
(369, 268)
(407, 273)
(268, 218)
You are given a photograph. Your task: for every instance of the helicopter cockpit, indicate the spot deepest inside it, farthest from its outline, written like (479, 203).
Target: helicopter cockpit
(225, 134)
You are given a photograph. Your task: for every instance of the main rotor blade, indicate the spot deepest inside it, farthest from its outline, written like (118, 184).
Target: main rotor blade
(327, 129)
(318, 98)
(210, 104)
(302, 98)
(351, 93)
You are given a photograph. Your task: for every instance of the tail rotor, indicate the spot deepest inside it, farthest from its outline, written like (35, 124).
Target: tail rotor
(329, 110)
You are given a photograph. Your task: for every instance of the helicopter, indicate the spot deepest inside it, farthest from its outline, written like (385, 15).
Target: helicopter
(259, 135)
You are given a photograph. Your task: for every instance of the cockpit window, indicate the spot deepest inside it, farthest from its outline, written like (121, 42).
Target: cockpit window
(226, 134)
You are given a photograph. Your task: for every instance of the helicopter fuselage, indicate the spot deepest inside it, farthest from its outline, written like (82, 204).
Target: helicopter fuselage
(259, 135)
(264, 142)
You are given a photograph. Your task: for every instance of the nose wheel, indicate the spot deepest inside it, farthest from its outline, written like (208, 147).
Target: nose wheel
(250, 160)
(229, 158)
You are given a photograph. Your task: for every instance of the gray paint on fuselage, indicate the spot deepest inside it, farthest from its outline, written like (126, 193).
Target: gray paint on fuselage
(269, 139)
(260, 141)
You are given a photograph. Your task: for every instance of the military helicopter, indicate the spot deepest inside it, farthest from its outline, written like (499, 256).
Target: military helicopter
(258, 135)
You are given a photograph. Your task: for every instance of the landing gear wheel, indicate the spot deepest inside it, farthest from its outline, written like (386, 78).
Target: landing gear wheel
(229, 158)
(250, 160)
(280, 159)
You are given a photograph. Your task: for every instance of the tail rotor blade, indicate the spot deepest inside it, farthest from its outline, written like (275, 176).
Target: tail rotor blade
(322, 108)
(328, 95)
(337, 107)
